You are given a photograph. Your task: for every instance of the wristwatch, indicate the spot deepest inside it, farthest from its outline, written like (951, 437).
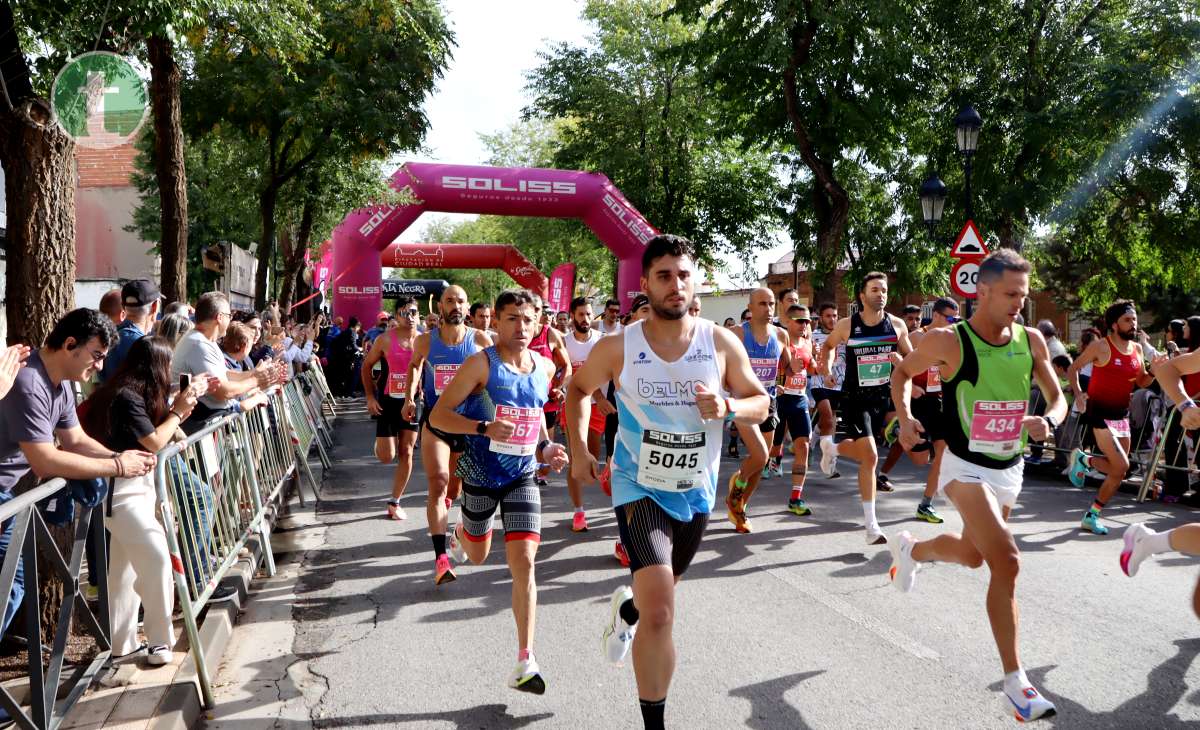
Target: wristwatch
(482, 427)
(1051, 423)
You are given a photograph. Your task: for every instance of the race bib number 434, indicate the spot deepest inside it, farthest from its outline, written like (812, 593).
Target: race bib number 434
(996, 427)
(672, 462)
(527, 425)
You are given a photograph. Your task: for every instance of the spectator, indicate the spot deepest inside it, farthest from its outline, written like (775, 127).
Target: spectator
(236, 345)
(183, 309)
(12, 359)
(1174, 337)
(173, 327)
(729, 322)
(198, 354)
(133, 411)
(299, 351)
(110, 306)
(40, 410)
(1050, 332)
(342, 355)
(1191, 334)
(381, 325)
(140, 299)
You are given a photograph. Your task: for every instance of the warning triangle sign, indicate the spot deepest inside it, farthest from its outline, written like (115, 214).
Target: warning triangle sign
(969, 242)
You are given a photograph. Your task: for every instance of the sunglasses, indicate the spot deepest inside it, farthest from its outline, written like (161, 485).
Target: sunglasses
(801, 319)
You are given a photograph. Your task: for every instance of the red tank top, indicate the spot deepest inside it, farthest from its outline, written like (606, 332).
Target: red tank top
(795, 381)
(398, 359)
(541, 345)
(1111, 384)
(1191, 385)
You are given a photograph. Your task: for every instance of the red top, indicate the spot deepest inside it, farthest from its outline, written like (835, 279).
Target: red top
(1191, 385)
(541, 345)
(1112, 383)
(796, 380)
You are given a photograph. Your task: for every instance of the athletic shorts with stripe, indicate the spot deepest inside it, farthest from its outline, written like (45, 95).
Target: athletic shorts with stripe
(520, 505)
(652, 537)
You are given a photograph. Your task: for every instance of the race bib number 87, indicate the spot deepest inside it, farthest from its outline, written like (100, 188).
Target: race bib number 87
(671, 462)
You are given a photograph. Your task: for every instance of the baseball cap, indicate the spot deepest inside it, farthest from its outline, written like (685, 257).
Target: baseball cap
(383, 315)
(139, 293)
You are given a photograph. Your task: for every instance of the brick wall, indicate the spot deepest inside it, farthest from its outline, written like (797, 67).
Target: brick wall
(100, 168)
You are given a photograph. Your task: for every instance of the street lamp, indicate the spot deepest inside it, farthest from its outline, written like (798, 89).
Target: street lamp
(933, 200)
(966, 126)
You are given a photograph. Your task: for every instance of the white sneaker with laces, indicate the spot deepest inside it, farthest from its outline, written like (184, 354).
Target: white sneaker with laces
(1028, 704)
(527, 677)
(828, 456)
(618, 635)
(158, 656)
(1136, 549)
(875, 535)
(904, 568)
(457, 551)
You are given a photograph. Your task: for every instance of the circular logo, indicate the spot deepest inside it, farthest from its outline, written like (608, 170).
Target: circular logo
(99, 100)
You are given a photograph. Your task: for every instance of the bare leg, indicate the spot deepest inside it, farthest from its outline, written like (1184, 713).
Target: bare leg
(404, 463)
(1114, 463)
(931, 480)
(435, 454)
(754, 477)
(1186, 539)
(653, 646)
(863, 451)
(520, 554)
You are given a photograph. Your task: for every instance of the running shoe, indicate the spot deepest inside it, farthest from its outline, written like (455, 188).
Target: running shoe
(904, 569)
(891, 433)
(732, 451)
(1136, 548)
(1077, 471)
(395, 511)
(606, 479)
(457, 551)
(618, 635)
(159, 656)
(579, 522)
(733, 504)
(620, 554)
(929, 514)
(828, 457)
(883, 484)
(527, 677)
(442, 573)
(875, 536)
(541, 482)
(1030, 705)
(1091, 523)
(798, 507)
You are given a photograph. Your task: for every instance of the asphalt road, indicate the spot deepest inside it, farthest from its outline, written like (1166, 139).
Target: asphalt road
(793, 626)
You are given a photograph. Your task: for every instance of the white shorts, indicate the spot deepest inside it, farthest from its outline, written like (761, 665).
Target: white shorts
(1004, 484)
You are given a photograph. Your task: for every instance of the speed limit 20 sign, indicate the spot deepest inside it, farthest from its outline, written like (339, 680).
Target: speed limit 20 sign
(964, 278)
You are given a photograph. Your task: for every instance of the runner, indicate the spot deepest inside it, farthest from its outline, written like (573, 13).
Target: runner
(669, 371)
(481, 316)
(610, 324)
(549, 343)
(912, 321)
(501, 392)
(437, 356)
(395, 437)
(787, 298)
(911, 314)
(827, 391)
(767, 347)
(579, 344)
(870, 338)
(793, 402)
(985, 365)
(1117, 365)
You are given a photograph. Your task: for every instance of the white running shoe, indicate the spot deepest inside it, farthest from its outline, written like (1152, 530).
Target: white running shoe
(904, 568)
(618, 635)
(828, 456)
(1029, 705)
(1136, 549)
(527, 677)
(457, 551)
(875, 535)
(158, 656)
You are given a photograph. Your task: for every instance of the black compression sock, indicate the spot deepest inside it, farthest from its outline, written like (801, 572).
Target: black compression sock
(629, 612)
(652, 713)
(439, 545)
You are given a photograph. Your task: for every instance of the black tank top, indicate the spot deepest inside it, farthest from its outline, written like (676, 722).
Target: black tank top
(868, 367)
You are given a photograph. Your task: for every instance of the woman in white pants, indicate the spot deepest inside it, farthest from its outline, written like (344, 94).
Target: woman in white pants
(133, 410)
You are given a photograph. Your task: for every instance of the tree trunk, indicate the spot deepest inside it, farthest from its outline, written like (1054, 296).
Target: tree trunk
(293, 256)
(40, 194)
(266, 244)
(169, 167)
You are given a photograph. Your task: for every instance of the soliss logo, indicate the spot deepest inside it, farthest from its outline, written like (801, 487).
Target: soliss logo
(358, 290)
(495, 184)
(378, 217)
(631, 222)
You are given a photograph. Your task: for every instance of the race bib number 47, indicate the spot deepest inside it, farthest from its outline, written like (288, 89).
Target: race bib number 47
(672, 462)
(996, 427)
(875, 369)
(527, 425)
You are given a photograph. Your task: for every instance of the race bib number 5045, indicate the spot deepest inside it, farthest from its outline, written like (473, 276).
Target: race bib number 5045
(672, 462)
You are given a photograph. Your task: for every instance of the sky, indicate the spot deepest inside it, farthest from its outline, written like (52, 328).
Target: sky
(483, 89)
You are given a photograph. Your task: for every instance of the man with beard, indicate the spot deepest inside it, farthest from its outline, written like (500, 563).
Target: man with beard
(669, 371)
(437, 356)
(870, 337)
(1117, 365)
(579, 344)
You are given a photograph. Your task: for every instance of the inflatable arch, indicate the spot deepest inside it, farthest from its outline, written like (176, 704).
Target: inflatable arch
(523, 191)
(466, 256)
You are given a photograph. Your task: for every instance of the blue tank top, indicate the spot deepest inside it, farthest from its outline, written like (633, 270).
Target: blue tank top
(509, 396)
(443, 362)
(764, 359)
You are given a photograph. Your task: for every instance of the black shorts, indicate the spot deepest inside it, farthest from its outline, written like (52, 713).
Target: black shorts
(771, 422)
(928, 410)
(1098, 417)
(520, 505)
(652, 537)
(864, 418)
(456, 441)
(793, 411)
(551, 418)
(390, 423)
(833, 396)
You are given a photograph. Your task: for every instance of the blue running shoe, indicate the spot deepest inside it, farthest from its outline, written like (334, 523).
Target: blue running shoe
(1077, 472)
(1091, 523)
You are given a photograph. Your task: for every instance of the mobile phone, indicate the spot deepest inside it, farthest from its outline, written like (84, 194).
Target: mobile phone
(185, 382)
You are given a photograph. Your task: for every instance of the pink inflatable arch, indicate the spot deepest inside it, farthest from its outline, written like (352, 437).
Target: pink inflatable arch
(466, 256)
(524, 191)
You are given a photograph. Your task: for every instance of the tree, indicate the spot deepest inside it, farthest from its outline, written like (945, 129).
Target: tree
(358, 94)
(630, 106)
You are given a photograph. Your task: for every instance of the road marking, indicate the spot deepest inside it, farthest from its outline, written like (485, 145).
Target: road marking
(852, 614)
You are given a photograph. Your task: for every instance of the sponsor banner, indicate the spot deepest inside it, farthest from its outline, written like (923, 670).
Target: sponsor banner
(562, 287)
(415, 288)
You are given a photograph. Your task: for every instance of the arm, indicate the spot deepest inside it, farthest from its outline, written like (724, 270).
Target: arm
(1145, 378)
(1168, 373)
(420, 353)
(470, 378)
(1043, 373)
(934, 349)
(374, 356)
(1090, 355)
(562, 364)
(597, 369)
(785, 356)
(749, 401)
(903, 343)
(829, 348)
(48, 461)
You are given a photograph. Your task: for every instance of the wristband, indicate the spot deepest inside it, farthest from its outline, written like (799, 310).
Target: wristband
(1050, 423)
(542, 445)
(1189, 403)
(120, 467)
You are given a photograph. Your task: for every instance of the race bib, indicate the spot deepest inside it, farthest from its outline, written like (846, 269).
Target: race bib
(528, 424)
(672, 462)
(397, 384)
(442, 375)
(576, 364)
(796, 383)
(1120, 429)
(996, 427)
(875, 369)
(766, 369)
(933, 381)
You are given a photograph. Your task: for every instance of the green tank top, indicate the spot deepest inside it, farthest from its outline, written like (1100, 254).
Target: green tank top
(987, 397)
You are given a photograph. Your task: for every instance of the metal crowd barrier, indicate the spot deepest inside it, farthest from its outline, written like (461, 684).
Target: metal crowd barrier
(1165, 453)
(51, 697)
(217, 489)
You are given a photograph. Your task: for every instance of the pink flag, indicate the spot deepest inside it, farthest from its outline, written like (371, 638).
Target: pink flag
(562, 287)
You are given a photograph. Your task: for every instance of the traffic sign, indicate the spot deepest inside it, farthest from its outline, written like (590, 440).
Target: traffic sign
(964, 278)
(969, 243)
